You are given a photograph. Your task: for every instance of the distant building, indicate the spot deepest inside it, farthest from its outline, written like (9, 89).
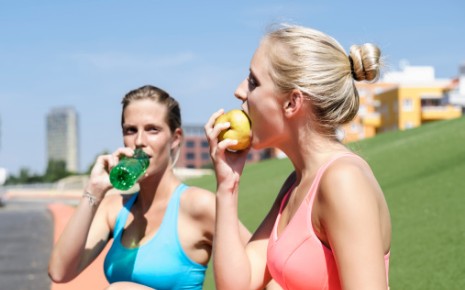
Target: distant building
(376, 114)
(422, 97)
(457, 93)
(402, 100)
(63, 137)
(195, 151)
(3, 175)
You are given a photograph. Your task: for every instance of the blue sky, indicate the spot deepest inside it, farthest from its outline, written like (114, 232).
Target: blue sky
(88, 54)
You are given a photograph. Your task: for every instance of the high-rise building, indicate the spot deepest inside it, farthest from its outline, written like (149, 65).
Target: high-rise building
(63, 137)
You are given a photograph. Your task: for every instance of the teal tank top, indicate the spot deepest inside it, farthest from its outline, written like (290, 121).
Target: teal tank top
(160, 262)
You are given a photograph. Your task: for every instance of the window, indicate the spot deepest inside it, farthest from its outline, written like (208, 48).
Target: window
(407, 105)
(190, 144)
(205, 144)
(190, 156)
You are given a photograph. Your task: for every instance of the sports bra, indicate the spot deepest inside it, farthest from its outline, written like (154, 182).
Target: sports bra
(160, 262)
(297, 259)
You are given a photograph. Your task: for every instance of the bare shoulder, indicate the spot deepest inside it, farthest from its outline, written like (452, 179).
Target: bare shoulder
(198, 202)
(349, 181)
(351, 209)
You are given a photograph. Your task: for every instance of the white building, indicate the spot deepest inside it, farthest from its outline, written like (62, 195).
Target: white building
(457, 95)
(3, 175)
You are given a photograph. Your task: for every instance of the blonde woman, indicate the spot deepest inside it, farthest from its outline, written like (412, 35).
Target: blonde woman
(329, 227)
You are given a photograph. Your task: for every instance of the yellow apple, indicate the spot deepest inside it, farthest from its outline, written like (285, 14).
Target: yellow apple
(239, 129)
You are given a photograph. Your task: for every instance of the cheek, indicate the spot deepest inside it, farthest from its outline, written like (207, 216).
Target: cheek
(127, 142)
(160, 145)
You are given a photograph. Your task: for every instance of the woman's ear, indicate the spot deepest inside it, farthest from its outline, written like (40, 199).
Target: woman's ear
(293, 103)
(177, 139)
(176, 146)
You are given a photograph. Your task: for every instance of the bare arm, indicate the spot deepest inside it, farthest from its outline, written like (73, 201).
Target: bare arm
(230, 261)
(236, 265)
(78, 245)
(355, 225)
(88, 231)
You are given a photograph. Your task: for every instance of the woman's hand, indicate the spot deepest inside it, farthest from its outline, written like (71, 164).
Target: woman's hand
(228, 165)
(99, 180)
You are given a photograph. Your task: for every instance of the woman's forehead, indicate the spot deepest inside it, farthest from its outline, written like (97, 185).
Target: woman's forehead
(145, 108)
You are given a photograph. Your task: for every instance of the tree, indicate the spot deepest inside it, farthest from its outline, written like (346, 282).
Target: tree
(24, 177)
(56, 170)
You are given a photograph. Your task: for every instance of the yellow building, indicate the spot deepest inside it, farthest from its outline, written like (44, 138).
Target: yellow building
(378, 112)
(419, 105)
(401, 100)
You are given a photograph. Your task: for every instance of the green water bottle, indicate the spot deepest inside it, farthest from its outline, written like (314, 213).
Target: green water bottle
(129, 169)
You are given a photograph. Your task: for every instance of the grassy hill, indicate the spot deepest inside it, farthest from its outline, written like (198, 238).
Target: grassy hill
(422, 173)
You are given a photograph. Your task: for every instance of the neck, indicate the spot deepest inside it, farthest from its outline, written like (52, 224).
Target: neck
(308, 150)
(157, 188)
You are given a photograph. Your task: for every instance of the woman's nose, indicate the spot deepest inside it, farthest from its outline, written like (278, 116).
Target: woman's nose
(139, 139)
(241, 91)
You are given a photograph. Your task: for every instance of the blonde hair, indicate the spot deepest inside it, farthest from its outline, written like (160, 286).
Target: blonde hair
(317, 65)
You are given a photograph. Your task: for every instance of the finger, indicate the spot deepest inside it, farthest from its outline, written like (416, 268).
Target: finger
(116, 156)
(123, 151)
(112, 160)
(101, 164)
(219, 127)
(211, 121)
(226, 143)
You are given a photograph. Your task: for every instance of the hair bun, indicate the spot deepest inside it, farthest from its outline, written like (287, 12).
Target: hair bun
(365, 62)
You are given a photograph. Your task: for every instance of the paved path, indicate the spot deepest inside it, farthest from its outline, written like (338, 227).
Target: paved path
(26, 236)
(27, 233)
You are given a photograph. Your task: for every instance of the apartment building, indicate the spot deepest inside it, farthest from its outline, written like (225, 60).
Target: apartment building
(402, 100)
(378, 112)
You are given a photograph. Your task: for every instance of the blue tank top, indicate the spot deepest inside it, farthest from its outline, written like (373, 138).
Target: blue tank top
(160, 262)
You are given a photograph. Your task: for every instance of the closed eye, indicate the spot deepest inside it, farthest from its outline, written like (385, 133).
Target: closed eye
(252, 82)
(129, 130)
(152, 129)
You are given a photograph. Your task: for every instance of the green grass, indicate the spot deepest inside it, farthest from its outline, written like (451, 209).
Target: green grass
(422, 173)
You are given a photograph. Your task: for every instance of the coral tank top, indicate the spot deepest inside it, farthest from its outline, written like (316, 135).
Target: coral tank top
(297, 259)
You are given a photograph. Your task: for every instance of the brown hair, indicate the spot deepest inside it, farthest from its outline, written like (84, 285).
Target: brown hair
(158, 95)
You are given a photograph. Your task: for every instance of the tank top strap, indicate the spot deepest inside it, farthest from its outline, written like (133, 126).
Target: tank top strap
(123, 214)
(316, 182)
(286, 197)
(170, 219)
